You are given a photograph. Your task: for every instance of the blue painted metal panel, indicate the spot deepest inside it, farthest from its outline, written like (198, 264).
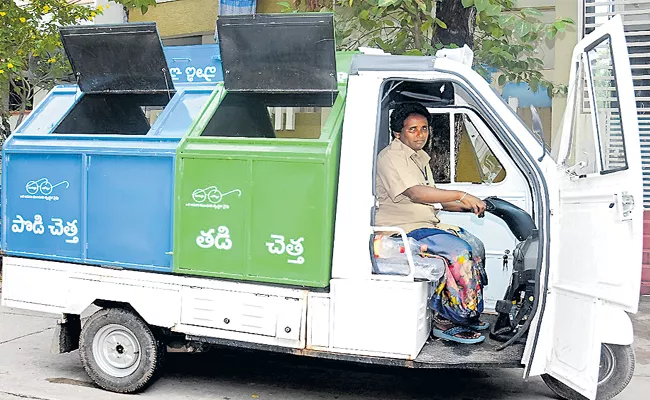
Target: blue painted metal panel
(42, 200)
(49, 112)
(94, 199)
(111, 187)
(90, 144)
(194, 64)
(180, 112)
(129, 208)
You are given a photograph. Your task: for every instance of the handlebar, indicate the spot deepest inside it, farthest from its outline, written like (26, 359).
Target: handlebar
(521, 224)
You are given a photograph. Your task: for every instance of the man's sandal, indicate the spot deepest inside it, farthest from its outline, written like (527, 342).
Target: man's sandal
(481, 326)
(455, 334)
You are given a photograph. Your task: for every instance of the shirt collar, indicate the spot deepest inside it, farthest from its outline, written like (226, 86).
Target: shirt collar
(419, 155)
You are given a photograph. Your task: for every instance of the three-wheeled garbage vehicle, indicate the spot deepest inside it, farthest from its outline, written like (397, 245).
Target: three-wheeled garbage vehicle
(244, 215)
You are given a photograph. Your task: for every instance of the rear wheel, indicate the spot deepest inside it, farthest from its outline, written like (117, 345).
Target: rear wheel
(119, 351)
(615, 373)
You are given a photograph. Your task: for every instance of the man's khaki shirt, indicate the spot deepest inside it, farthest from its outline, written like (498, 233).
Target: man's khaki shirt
(399, 168)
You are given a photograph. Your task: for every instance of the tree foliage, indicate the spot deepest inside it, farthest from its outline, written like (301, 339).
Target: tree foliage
(31, 58)
(506, 40)
(31, 53)
(142, 5)
(510, 41)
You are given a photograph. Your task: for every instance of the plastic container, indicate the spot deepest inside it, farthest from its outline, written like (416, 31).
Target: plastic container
(391, 259)
(389, 247)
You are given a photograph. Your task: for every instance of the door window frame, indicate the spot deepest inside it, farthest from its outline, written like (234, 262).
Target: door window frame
(593, 106)
(453, 112)
(470, 113)
(583, 66)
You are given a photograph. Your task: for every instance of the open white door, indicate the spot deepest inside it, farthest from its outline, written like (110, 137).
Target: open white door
(596, 247)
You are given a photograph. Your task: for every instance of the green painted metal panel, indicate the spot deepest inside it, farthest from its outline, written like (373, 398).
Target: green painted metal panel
(288, 222)
(257, 209)
(343, 63)
(214, 216)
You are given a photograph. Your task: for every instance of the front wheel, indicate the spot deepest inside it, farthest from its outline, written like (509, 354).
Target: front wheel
(615, 373)
(119, 351)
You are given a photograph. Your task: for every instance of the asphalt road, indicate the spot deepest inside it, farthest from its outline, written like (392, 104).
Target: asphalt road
(29, 371)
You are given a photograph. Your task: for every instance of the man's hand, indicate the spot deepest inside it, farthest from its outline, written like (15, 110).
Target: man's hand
(473, 204)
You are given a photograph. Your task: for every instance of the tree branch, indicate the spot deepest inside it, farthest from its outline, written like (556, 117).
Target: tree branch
(358, 40)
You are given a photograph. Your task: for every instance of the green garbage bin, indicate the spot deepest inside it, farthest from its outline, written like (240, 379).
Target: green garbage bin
(255, 195)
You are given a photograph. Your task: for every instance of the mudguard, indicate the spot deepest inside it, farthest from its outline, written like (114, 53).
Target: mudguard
(614, 326)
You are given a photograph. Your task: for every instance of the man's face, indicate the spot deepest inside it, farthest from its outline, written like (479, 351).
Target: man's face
(415, 132)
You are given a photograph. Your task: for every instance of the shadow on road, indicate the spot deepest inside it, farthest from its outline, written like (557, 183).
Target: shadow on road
(268, 370)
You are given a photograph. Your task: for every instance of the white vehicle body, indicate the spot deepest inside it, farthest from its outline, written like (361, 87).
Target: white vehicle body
(589, 266)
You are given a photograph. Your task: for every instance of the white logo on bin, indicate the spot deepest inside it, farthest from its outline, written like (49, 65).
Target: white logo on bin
(294, 248)
(42, 189)
(221, 240)
(70, 230)
(211, 197)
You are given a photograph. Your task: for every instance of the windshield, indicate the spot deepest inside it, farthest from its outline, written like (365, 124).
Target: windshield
(460, 91)
(528, 127)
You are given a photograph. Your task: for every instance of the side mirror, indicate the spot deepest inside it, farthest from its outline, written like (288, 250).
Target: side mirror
(538, 129)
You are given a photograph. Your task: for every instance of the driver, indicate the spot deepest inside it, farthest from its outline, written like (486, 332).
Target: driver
(409, 199)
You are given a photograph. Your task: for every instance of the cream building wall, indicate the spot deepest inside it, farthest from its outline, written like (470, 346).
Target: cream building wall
(563, 50)
(190, 21)
(557, 57)
(177, 19)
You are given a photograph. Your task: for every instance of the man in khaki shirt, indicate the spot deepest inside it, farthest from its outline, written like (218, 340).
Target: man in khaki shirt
(409, 199)
(405, 188)
(400, 168)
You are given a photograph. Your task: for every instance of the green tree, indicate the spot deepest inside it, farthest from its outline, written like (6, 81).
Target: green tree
(503, 38)
(31, 53)
(142, 5)
(31, 58)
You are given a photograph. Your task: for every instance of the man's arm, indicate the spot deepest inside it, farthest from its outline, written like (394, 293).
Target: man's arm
(390, 174)
(451, 200)
(455, 207)
(427, 194)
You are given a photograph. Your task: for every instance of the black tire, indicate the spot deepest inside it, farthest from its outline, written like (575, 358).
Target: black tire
(119, 351)
(616, 371)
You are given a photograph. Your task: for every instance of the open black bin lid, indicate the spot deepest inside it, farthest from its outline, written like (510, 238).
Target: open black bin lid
(121, 58)
(278, 53)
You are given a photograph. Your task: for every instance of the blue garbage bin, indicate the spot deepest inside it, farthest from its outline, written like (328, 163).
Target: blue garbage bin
(87, 177)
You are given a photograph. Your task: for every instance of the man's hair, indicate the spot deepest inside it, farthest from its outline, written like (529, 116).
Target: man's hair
(405, 110)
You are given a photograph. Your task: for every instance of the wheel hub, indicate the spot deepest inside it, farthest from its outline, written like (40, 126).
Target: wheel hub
(607, 364)
(116, 350)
